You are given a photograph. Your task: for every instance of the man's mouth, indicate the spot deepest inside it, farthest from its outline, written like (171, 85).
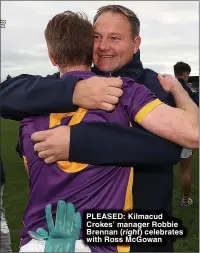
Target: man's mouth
(106, 56)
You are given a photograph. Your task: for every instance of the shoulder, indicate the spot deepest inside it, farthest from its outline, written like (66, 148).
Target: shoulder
(150, 80)
(135, 93)
(147, 78)
(132, 86)
(28, 76)
(131, 89)
(129, 83)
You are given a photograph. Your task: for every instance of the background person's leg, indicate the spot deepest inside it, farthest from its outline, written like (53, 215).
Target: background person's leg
(186, 180)
(5, 233)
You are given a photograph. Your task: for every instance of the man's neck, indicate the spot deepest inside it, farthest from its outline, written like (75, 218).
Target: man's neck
(180, 77)
(73, 68)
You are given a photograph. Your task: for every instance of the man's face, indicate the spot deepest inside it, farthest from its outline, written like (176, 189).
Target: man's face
(114, 45)
(186, 76)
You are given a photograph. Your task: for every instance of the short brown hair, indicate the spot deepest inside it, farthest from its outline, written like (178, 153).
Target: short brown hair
(69, 38)
(131, 16)
(181, 67)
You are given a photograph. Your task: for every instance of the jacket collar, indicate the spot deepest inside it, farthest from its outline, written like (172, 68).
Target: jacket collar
(132, 69)
(182, 81)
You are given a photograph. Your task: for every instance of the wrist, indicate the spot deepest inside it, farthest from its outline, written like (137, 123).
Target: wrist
(177, 89)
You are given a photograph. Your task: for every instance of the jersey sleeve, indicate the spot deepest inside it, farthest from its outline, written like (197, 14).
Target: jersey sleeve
(137, 101)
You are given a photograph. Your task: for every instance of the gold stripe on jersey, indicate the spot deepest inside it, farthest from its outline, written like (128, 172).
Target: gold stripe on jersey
(55, 119)
(146, 110)
(128, 206)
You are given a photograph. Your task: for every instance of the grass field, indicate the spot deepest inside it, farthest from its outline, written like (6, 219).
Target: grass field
(17, 189)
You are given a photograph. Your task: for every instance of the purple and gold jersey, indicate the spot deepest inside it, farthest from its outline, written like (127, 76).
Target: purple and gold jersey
(86, 186)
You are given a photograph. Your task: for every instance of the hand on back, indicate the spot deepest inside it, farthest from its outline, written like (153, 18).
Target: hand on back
(98, 93)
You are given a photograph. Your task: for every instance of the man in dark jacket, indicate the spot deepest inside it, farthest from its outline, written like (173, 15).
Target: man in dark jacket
(152, 157)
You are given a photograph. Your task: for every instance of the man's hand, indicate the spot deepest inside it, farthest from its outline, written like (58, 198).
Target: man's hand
(98, 93)
(168, 82)
(52, 145)
(63, 235)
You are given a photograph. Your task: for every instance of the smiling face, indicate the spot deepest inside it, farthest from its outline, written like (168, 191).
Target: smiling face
(114, 45)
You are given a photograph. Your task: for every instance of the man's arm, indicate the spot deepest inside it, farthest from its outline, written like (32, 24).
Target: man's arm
(180, 124)
(112, 144)
(105, 144)
(28, 95)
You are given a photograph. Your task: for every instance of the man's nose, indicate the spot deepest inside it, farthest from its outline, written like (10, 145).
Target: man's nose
(104, 45)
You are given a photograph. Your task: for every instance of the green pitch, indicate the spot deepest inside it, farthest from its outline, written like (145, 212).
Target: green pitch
(17, 189)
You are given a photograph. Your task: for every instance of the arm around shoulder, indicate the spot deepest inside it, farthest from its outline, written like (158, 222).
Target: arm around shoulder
(27, 95)
(112, 144)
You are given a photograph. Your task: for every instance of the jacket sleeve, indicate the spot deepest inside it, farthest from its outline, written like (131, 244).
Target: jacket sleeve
(196, 98)
(112, 144)
(29, 95)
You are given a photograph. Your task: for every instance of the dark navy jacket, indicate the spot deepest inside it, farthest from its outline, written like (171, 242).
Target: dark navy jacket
(193, 95)
(103, 143)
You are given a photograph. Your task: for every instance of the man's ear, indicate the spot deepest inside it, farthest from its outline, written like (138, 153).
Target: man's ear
(52, 59)
(136, 44)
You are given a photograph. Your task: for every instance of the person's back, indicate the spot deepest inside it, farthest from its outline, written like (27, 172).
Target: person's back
(88, 187)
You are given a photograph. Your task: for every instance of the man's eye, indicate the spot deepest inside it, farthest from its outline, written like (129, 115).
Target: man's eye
(96, 36)
(115, 38)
